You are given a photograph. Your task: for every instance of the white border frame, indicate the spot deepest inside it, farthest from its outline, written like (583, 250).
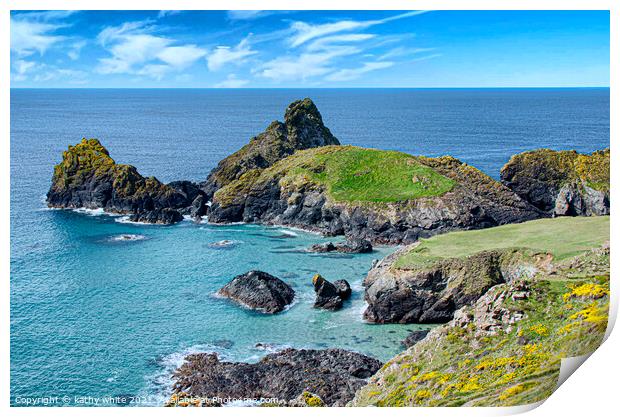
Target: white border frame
(591, 391)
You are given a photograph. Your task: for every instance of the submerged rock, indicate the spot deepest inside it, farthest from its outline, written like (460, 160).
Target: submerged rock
(352, 245)
(87, 177)
(333, 375)
(414, 337)
(327, 294)
(561, 183)
(260, 291)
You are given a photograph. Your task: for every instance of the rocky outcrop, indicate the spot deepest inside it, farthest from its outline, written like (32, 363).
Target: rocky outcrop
(562, 183)
(331, 374)
(259, 291)
(431, 293)
(350, 246)
(301, 191)
(303, 128)
(330, 296)
(88, 177)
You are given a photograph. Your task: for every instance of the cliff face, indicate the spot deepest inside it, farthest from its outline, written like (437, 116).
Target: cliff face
(303, 128)
(563, 183)
(382, 196)
(88, 177)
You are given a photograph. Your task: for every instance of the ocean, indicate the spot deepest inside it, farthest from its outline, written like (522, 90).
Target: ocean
(96, 315)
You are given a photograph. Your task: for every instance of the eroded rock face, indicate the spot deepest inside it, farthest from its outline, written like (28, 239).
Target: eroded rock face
(303, 128)
(331, 374)
(432, 293)
(88, 177)
(562, 183)
(260, 291)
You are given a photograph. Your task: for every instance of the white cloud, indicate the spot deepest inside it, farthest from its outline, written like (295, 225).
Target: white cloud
(253, 14)
(136, 49)
(232, 82)
(181, 56)
(402, 51)
(353, 73)
(22, 67)
(304, 66)
(305, 31)
(223, 55)
(327, 41)
(29, 37)
(76, 48)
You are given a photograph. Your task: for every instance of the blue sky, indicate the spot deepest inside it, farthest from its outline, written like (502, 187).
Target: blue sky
(310, 49)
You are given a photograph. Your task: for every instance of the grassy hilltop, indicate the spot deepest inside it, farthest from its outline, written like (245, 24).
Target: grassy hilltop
(563, 237)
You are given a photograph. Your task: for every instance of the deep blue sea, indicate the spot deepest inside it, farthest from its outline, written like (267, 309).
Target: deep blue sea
(92, 315)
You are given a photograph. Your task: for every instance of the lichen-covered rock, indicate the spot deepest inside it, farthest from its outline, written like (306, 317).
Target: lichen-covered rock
(327, 294)
(88, 177)
(303, 128)
(260, 291)
(331, 375)
(563, 183)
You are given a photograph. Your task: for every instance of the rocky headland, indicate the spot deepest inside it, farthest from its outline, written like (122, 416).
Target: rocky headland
(88, 177)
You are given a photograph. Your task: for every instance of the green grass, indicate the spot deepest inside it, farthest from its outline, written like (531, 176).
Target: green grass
(363, 175)
(563, 237)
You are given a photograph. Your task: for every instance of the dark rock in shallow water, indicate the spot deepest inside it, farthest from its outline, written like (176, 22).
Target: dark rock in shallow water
(350, 246)
(343, 287)
(414, 337)
(327, 294)
(332, 374)
(88, 177)
(259, 291)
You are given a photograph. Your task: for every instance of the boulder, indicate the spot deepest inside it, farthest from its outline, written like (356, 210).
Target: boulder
(327, 294)
(343, 288)
(332, 375)
(259, 291)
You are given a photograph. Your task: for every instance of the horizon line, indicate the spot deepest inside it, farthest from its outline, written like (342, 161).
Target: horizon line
(314, 88)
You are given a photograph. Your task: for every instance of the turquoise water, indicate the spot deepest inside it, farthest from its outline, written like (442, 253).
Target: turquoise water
(92, 315)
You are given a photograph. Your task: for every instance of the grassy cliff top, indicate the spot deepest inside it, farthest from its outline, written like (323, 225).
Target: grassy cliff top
(563, 237)
(349, 173)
